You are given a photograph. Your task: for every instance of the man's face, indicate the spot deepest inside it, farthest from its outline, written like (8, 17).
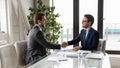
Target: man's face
(42, 22)
(85, 23)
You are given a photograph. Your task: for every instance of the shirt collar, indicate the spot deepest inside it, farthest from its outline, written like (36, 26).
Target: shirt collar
(87, 29)
(39, 27)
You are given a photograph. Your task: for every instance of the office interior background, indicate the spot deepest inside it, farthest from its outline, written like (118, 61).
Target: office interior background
(14, 24)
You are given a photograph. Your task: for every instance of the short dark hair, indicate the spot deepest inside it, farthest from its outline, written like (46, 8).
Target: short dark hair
(90, 18)
(38, 16)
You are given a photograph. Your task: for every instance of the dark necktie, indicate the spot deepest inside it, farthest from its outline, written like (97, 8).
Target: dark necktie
(84, 34)
(84, 37)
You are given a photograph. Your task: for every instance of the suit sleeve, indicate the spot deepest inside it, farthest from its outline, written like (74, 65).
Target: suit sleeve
(74, 41)
(43, 41)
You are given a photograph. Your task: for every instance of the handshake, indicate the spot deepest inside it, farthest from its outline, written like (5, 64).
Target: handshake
(65, 44)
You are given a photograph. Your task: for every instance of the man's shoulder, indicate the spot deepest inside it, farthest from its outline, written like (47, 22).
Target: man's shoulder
(94, 30)
(82, 30)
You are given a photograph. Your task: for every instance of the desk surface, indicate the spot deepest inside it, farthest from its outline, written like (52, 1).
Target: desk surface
(72, 62)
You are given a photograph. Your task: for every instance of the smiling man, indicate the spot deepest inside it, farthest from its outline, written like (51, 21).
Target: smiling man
(88, 36)
(36, 42)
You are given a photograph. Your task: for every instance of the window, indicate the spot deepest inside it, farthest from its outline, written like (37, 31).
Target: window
(65, 10)
(3, 23)
(2, 17)
(111, 26)
(88, 7)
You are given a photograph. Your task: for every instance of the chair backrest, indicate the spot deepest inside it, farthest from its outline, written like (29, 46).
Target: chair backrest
(102, 45)
(21, 47)
(8, 56)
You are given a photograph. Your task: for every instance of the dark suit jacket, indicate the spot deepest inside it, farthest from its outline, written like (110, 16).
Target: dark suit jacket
(37, 44)
(91, 42)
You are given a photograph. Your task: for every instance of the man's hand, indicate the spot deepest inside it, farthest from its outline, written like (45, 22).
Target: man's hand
(76, 48)
(64, 44)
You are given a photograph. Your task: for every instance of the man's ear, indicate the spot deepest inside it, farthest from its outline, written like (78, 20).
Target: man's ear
(38, 21)
(90, 23)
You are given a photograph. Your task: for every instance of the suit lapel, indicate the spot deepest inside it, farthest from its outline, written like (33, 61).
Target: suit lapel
(83, 36)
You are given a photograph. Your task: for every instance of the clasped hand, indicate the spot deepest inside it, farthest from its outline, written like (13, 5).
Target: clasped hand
(64, 45)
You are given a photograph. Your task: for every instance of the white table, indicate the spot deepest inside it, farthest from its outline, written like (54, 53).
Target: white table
(73, 62)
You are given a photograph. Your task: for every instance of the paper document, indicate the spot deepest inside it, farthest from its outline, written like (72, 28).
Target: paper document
(94, 56)
(72, 54)
(60, 56)
(84, 51)
(69, 54)
(56, 59)
(52, 59)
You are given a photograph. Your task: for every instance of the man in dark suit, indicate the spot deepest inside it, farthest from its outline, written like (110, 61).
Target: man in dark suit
(88, 36)
(36, 42)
